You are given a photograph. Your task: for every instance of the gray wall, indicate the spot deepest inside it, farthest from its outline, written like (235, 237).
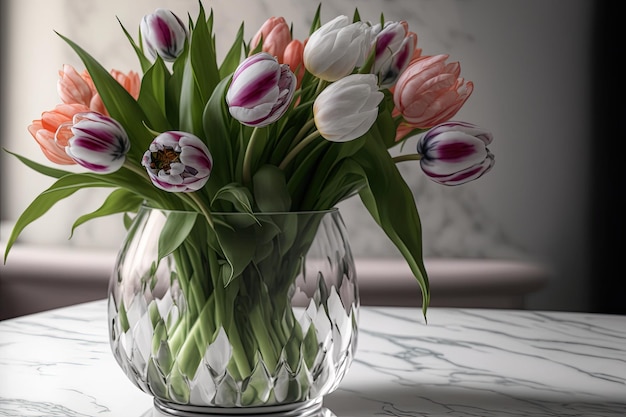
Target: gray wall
(529, 60)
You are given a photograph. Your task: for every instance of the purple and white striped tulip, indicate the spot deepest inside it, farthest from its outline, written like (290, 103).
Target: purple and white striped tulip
(163, 34)
(347, 109)
(455, 153)
(337, 48)
(395, 46)
(261, 90)
(99, 144)
(178, 162)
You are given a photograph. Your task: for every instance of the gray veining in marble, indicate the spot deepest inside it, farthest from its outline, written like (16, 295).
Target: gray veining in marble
(464, 362)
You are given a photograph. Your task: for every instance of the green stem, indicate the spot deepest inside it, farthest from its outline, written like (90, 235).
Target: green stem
(305, 128)
(410, 157)
(247, 159)
(142, 173)
(239, 351)
(135, 169)
(196, 341)
(263, 337)
(200, 206)
(321, 84)
(295, 151)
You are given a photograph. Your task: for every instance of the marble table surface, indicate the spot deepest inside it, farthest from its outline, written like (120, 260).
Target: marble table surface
(464, 362)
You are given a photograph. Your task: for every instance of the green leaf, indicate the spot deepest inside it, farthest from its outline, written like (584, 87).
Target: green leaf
(238, 246)
(119, 201)
(176, 229)
(385, 124)
(317, 188)
(390, 202)
(140, 185)
(153, 96)
(189, 101)
(236, 194)
(145, 62)
(200, 77)
(42, 169)
(62, 188)
(216, 122)
(316, 23)
(270, 189)
(346, 180)
(233, 56)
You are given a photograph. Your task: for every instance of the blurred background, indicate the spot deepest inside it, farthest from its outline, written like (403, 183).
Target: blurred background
(544, 84)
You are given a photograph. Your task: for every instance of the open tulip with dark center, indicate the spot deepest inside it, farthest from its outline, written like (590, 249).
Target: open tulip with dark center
(178, 162)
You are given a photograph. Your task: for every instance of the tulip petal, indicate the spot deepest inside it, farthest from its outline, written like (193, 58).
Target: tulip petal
(261, 90)
(99, 144)
(347, 108)
(178, 162)
(454, 153)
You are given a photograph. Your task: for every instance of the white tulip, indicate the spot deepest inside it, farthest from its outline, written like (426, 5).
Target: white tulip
(337, 48)
(347, 108)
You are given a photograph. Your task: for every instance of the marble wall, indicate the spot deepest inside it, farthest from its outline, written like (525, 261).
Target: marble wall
(529, 61)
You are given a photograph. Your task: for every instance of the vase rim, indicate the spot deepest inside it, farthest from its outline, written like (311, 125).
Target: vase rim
(145, 205)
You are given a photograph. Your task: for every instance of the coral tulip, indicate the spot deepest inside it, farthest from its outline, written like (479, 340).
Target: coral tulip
(275, 34)
(78, 94)
(50, 134)
(99, 144)
(430, 91)
(163, 34)
(337, 48)
(73, 88)
(293, 58)
(347, 108)
(130, 81)
(178, 162)
(454, 153)
(261, 90)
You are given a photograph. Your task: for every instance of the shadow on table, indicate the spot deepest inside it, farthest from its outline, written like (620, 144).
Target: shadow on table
(323, 412)
(446, 400)
(450, 399)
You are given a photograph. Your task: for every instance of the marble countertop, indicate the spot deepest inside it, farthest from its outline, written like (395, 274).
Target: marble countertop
(464, 362)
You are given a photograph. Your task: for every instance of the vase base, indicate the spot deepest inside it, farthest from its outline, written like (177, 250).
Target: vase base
(302, 409)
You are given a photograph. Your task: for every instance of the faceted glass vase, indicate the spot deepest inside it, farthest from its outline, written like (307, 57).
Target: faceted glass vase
(252, 314)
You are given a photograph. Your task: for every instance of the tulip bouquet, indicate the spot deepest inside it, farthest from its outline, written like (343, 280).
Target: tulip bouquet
(279, 125)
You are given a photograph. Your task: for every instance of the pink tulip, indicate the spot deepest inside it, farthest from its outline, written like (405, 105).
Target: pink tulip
(276, 36)
(430, 91)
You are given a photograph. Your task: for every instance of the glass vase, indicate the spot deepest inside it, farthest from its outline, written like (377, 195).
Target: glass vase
(246, 314)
